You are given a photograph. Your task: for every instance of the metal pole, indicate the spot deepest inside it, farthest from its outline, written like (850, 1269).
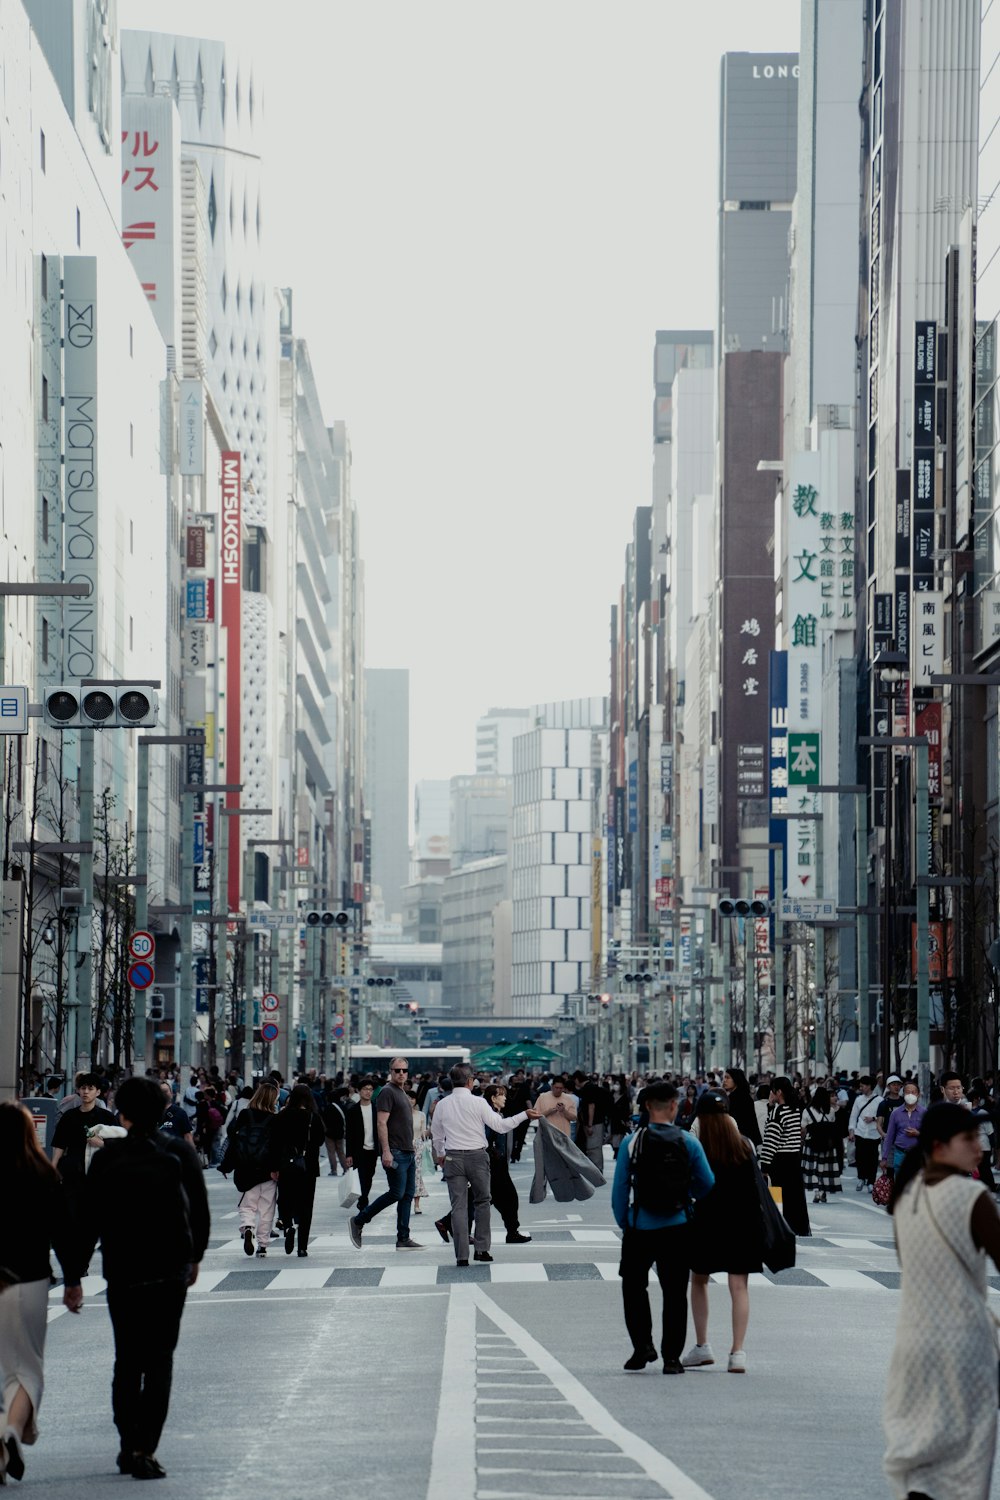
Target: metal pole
(923, 924)
(779, 964)
(861, 898)
(821, 998)
(141, 899)
(887, 911)
(85, 977)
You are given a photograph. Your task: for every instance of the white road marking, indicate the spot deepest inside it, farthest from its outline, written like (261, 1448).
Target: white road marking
(55, 1312)
(514, 1272)
(845, 1281)
(595, 1236)
(858, 1243)
(659, 1468)
(409, 1275)
(299, 1278)
(453, 1457)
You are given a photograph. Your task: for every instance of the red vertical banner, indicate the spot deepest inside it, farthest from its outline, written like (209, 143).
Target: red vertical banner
(231, 557)
(927, 721)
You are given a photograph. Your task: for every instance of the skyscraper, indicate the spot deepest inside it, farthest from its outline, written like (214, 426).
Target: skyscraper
(387, 781)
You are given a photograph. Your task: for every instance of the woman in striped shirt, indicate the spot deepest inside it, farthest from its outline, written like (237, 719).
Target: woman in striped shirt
(781, 1153)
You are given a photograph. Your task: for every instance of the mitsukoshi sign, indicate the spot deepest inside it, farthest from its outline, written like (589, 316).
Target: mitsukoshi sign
(231, 558)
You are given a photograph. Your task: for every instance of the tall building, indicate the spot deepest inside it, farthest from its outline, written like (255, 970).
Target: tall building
(551, 874)
(757, 175)
(479, 821)
(475, 936)
(387, 781)
(757, 163)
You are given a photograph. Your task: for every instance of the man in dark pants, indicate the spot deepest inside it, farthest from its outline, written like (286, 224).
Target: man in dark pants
(503, 1193)
(361, 1139)
(145, 1200)
(657, 1238)
(394, 1121)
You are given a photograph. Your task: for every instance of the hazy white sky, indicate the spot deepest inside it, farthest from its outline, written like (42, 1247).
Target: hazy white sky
(486, 211)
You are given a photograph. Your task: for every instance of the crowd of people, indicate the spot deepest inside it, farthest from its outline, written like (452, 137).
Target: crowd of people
(698, 1164)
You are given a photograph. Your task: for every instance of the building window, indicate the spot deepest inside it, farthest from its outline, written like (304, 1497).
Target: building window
(45, 278)
(131, 537)
(78, 229)
(45, 518)
(131, 341)
(131, 633)
(45, 640)
(45, 399)
(41, 152)
(131, 440)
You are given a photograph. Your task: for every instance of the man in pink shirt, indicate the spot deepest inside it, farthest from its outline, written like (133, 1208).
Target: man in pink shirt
(557, 1106)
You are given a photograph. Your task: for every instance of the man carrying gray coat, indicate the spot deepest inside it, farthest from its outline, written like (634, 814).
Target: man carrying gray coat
(458, 1133)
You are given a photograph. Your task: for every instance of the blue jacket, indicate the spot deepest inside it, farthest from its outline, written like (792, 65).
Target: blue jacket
(702, 1182)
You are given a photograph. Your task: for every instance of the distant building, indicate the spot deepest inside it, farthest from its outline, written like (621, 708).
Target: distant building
(480, 818)
(551, 854)
(387, 781)
(475, 925)
(495, 736)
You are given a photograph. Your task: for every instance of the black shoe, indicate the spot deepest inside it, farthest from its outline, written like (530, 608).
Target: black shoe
(673, 1367)
(125, 1462)
(15, 1458)
(517, 1238)
(354, 1230)
(442, 1229)
(248, 1240)
(640, 1358)
(482, 1255)
(302, 1252)
(289, 1239)
(461, 1262)
(146, 1467)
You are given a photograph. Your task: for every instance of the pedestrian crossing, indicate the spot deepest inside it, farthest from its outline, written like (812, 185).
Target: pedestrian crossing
(412, 1275)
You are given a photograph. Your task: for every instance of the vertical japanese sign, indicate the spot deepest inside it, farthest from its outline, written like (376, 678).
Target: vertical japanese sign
(816, 574)
(778, 761)
(149, 209)
(231, 564)
(80, 334)
(924, 639)
(192, 428)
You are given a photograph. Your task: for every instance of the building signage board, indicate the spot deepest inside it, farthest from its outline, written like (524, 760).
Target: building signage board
(195, 551)
(199, 594)
(13, 710)
(927, 654)
(150, 201)
(820, 583)
(231, 564)
(80, 421)
(192, 429)
(778, 757)
(805, 909)
(750, 777)
(927, 721)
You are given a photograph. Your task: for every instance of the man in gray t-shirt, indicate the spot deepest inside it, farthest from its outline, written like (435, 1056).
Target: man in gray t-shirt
(394, 1118)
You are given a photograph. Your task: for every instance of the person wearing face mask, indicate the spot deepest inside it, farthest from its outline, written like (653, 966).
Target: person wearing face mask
(903, 1129)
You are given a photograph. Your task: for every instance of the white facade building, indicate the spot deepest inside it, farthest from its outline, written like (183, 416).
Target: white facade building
(495, 736)
(552, 856)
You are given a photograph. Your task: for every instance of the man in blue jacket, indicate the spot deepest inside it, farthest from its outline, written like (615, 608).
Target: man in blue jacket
(659, 1173)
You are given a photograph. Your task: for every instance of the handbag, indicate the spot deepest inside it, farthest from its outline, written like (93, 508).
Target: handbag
(944, 1238)
(778, 1240)
(882, 1189)
(350, 1188)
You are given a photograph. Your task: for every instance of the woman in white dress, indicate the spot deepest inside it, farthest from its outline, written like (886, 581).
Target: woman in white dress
(940, 1408)
(419, 1136)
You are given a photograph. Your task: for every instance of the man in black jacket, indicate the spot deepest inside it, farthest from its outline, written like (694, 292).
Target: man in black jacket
(145, 1200)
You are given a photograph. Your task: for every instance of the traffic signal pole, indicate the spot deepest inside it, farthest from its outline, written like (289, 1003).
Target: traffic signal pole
(85, 971)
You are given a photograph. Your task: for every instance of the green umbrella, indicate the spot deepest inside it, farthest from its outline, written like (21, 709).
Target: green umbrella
(514, 1054)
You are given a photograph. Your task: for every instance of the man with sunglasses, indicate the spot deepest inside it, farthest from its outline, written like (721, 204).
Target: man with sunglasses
(394, 1119)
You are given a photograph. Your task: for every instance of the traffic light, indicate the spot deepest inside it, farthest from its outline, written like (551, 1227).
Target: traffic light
(413, 1007)
(121, 705)
(372, 981)
(643, 977)
(327, 919)
(342, 957)
(743, 908)
(605, 1001)
(155, 1011)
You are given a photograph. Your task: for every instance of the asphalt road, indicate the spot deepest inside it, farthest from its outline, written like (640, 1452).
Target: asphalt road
(361, 1369)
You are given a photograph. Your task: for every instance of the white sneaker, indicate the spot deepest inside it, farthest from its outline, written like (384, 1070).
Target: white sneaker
(737, 1362)
(698, 1354)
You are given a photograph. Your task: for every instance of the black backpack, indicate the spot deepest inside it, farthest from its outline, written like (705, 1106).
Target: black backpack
(251, 1145)
(822, 1135)
(660, 1171)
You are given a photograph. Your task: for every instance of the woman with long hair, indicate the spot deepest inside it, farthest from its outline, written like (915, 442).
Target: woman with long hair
(37, 1209)
(726, 1232)
(781, 1153)
(940, 1405)
(821, 1161)
(297, 1140)
(741, 1102)
(251, 1159)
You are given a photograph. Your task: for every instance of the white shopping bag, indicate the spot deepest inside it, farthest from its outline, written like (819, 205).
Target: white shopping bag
(350, 1188)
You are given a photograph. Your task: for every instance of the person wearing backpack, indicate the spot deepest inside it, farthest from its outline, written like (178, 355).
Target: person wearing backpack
(821, 1166)
(251, 1159)
(659, 1173)
(144, 1198)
